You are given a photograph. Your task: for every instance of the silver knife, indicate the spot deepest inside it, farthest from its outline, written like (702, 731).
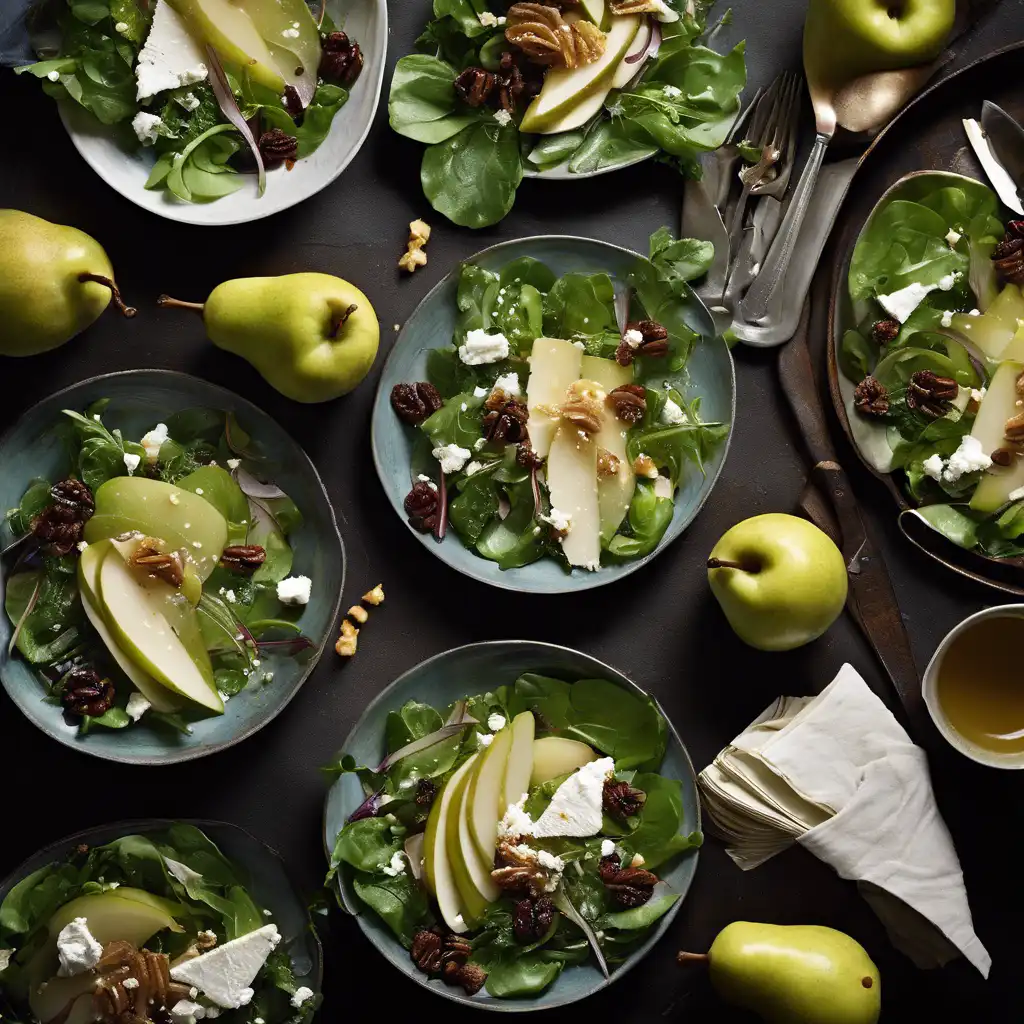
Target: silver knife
(998, 143)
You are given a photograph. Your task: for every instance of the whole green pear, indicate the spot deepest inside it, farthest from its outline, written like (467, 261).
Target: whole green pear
(54, 282)
(312, 336)
(795, 974)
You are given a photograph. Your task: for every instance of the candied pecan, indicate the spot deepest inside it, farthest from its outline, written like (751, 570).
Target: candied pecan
(243, 559)
(421, 506)
(427, 950)
(884, 331)
(654, 341)
(620, 800)
(507, 424)
(1008, 257)
(1014, 429)
(631, 887)
(85, 693)
(456, 948)
(511, 83)
(582, 408)
(547, 38)
(413, 403)
(518, 870)
(277, 146)
(650, 329)
(475, 86)
(871, 397)
(342, 60)
(527, 457)
(1002, 457)
(629, 402)
(608, 867)
(75, 495)
(58, 528)
(166, 565)
(425, 792)
(607, 463)
(532, 919)
(931, 394)
(470, 976)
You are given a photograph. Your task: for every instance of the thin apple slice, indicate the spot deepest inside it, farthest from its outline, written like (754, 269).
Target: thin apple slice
(554, 366)
(519, 767)
(139, 614)
(557, 755)
(572, 484)
(471, 870)
(437, 867)
(484, 792)
(88, 584)
(998, 405)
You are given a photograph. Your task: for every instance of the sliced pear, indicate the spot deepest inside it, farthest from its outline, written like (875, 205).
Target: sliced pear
(186, 521)
(484, 791)
(1015, 350)
(436, 865)
(626, 71)
(577, 116)
(594, 10)
(158, 629)
(614, 492)
(50, 1000)
(519, 767)
(565, 89)
(554, 365)
(556, 755)
(992, 331)
(998, 405)
(470, 869)
(572, 484)
(127, 913)
(88, 584)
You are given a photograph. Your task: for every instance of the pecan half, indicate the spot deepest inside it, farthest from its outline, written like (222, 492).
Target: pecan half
(628, 887)
(427, 950)
(931, 394)
(547, 38)
(517, 869)
(884, 331)
(243, 559)
(470, 976)
(75, 495)
(341, 59)
(277, 146)
(85, 693)
(1008, 257)
(421, 506)
(871, 397)
(1014, 429)
(629, 402)
(620, 800)
(475, 86)
(150, 557)
(413, 403)
(653, 341)
(505, 421)
(531, 919)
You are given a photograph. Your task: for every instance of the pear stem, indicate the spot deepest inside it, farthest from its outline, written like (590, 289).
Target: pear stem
(166, 300)
(115, 293)
(722, 563)
(336, 325)
(689, 958)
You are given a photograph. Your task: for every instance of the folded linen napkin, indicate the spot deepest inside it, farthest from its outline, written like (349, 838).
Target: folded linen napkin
(838, 774)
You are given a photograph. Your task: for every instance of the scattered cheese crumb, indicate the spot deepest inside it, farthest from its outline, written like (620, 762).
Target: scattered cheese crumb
(484, 739)
(234, 463)
(496, 722)
(294, 590)
(607, 847)
(953, 237)
(451, 457)
(302, 995)
(947, 318)
(560, 522)
(131, 462)
(82, 545)
(503, 117)
(424, 479)
(414, 256)
(487, 19)
(481, 347)
(137, 706)
(130, 983)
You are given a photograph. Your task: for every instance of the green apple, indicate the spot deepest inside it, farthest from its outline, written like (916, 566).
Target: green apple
(564, 89)
(844, 39)
(557, 755)
(520, 760)
(437, 868)
(484, 792)
(998, 405)
(779, 579)
(470, 868)
(159, 630)
(88, 584)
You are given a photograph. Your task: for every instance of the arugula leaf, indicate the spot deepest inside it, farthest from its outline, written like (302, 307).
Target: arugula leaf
(672, 447)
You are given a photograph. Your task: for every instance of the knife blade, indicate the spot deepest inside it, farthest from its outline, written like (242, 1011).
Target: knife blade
(875, 608)
(1006, 137)
(998, 175)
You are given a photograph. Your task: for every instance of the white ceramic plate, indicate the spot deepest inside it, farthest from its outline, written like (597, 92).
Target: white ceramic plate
(366, 21)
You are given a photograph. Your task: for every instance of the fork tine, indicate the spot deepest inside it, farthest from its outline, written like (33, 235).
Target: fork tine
(761, 119)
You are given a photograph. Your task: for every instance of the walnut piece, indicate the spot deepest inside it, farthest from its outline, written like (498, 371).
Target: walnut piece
(375, 596)
(547, 38)
(583, 406)
(348, 640)
(414, 256)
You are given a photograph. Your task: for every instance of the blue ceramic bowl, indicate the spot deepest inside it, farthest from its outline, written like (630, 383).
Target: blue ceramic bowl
(710, 374)
(440, 681)
(261, 867)
(138, 400)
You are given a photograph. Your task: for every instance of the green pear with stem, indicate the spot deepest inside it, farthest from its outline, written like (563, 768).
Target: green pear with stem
(793, 974)
(312, 336)
(54, 282)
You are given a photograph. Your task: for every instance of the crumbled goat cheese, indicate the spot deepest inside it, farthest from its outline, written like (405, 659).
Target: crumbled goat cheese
(451, 457)
(561, 522)
(515, 821)
(146, 127)
(302, 995)
(487, 19)
(77, 949)
(152, 442)
(978, 394)
(131, 462)
(672, 414)
(607, 847)
(933, 466)
(423, 479)
(130, 983)
(170, 58)
(903, 302)
(484, 739)
(137, 706)
(672, 92)
(953, 237)
(190, 101)
(397, 865)
(946, 282)
(968, 458)
(509, 383)
(480, 392)
(496, 722)
(122, 27)
(480, 348)
(474, 467)
(184, 1011)
(633, 338)
(503, 117)
(225, 972)
(234, 463)
(947, 318)
(294, 590)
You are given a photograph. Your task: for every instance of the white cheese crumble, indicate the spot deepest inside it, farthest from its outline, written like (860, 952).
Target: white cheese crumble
(480, 348)
(225, 972)
(134, 983)
(77, 949)
(576, 807)
(170, 58)
(474, 467)
(509, 383)
(131, 462)
(484, 739)
(672, 92)
(174, 499)
(294, 590)
(968, 458)
(903, 302)
(122, 27)
(561, 522)
(579, 344)
(953, 237)
(480, 392)
(229, 595)
(397, 865)
(451, 457)
(946, 282)
(662, 486)
(672, 414)
(515, 821)
(152, 440)
(496, 722)
(184, 1011)
(234, 463)
(978, 394)
(82, 545)
(607, 847)
(1016, 495)
(423, 479)
(503, 117)
(302, 995)
(947, 318)
(933, 466)
(487, 19)
(137, 706)
(147, 127)
(633, 338)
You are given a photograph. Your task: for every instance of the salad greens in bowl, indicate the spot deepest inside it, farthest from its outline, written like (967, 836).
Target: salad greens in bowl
(520, 848)
(929, 343)
(556, 410)
(169, 549)
(505, 90)
(195, 108)
(156, 920)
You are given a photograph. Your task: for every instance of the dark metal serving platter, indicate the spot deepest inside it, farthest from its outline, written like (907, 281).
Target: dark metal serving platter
(927, 136)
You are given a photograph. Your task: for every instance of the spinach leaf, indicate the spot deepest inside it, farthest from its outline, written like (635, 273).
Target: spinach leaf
(679, 260)
(518, 539)
(661, 302)
(609, 143)
(552, 150)
(459, 421)
(640, 918)
(412, 722)
(472, 177)
(956, 524)
(400, 902)
(466, 14)
(857, 355)
(657, 838)
(316, 119)
(527, 270)
(475, 506)
(422, 104)
(510, 976)
(579, 304)
(367, 845)
(33, 501)
(101, 452)
(56, 622)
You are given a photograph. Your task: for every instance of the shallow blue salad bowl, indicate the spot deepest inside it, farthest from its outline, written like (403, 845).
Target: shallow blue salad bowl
(441, 681)
(709, 373)
(260, 867)
(139, 399)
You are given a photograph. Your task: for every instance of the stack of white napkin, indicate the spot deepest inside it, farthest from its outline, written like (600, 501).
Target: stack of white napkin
(839, 775)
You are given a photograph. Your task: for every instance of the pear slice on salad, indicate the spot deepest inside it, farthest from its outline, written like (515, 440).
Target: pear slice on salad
(998, 405)
(554, 366)
(1015, 350)
(992, 331)
(437, 867)
(595, 11)
(484, 790)
(520, 760)
(88, 585)
(614, 492)
(470, 868)
(572, 484)
(566, 89)
(558, 755)
(158, 629)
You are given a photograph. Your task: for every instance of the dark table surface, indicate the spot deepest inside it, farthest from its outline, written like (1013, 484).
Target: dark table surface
(661, 625)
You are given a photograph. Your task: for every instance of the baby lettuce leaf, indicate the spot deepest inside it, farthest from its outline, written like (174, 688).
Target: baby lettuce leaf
(458, 421)
(659, 837)
(610, 142)
(55, 624)
(579, 304)
(513, 975)
(648, 519)
(475, 506)
(954, 523)
(367, 845)
(422, 104)
(412, 721)
(316, 119)
(518, 539)
(472, 177)
(400, 902)
(679, 260)
(640, 918)
(672, 447)
(33, 501)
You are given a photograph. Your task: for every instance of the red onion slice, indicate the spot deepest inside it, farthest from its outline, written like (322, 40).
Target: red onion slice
(633, 58)
(229, 108)
(444, 733)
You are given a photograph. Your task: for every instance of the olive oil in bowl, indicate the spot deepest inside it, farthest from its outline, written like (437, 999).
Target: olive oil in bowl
(974, 687)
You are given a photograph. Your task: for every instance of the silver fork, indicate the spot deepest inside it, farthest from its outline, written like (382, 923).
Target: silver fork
(769, 131)
(776, 185)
